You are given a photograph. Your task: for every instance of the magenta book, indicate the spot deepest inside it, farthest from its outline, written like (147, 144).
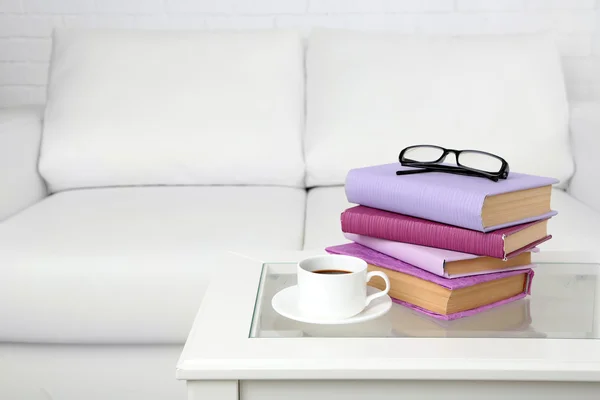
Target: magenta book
(381, 224)
(381, 260)
(447, 198)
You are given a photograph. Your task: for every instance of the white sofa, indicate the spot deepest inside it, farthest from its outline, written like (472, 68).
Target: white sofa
(156, 151)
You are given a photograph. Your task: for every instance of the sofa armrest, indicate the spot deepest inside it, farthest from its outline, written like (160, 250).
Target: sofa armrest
(585, 146)
(20, 136)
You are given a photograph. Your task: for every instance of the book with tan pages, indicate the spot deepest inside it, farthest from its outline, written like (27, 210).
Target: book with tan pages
(437, 296)
(465, 201)
(446, 263)
(503, 243)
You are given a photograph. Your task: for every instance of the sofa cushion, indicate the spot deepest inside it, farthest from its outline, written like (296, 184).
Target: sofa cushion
(371, 94)
(323, 209)
(65, 372)
(574, 229)
(585, 142)
(165, 107)
(130, 265)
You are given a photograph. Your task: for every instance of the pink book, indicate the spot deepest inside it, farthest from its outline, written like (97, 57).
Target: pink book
(381, 260)
(436, 261)
(502, 243)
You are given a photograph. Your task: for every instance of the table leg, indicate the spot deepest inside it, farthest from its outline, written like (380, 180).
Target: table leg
(213, 390)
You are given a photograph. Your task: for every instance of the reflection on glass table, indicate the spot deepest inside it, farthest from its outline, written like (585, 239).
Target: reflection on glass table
(562, 305)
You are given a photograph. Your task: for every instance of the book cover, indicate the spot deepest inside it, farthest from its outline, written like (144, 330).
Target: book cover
(382, 224)
(381, 260)
(448, 198)
(430, 259)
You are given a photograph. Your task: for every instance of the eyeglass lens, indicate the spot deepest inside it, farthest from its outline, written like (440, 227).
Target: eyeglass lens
(424, 153)
(480, 161)
(469, 159)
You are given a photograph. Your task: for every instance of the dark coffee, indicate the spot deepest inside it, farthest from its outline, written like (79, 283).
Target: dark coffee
(332, 272)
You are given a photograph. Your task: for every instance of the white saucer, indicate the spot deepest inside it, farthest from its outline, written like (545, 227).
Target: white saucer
(286, 303)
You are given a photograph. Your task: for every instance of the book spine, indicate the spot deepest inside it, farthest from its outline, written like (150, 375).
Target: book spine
(422, 233)
(414, 255)
(445, 205)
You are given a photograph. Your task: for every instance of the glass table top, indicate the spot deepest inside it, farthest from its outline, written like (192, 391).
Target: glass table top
(564, 303)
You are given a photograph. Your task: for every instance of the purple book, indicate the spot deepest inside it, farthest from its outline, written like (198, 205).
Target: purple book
(448, 198)
(381, 260)
(429, 259)
(376, 223)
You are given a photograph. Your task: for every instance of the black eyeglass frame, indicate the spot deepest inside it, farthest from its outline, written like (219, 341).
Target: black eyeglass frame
(459, 169)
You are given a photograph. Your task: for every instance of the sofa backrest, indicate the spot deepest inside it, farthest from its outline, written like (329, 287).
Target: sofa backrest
(226, 108)
(159, 107)
(371, 94)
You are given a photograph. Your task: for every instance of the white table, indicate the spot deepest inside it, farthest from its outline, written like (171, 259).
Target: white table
(546, 345)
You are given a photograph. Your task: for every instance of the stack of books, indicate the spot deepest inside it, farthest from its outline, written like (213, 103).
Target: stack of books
(452, 245)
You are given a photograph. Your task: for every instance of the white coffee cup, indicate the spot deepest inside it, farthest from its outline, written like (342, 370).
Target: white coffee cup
(335, 295)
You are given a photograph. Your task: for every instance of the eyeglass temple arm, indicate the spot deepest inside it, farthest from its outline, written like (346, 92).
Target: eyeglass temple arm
(413, 171)
(456, 172)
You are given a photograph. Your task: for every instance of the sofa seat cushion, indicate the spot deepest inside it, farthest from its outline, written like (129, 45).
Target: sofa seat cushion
(140, 107)
(130, 265)
(574, 229)
(323, 208)
(370, 94)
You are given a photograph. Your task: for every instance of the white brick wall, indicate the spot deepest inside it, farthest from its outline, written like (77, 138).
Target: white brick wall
(26, 26)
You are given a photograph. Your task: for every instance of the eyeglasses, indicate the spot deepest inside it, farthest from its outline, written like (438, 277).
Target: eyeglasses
(468, 162)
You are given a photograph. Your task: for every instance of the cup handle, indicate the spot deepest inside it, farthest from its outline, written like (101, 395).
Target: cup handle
(373, 274)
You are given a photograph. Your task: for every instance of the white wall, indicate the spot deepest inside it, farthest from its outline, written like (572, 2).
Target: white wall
(26, 26)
